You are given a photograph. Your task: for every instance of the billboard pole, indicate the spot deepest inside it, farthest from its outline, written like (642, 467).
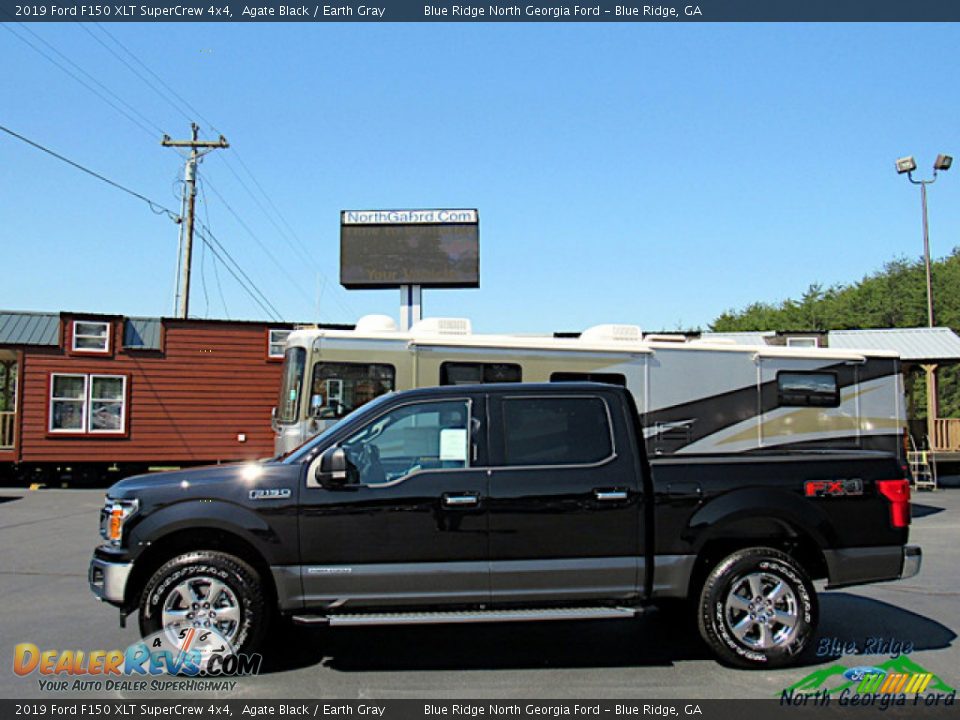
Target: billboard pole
(411, 308)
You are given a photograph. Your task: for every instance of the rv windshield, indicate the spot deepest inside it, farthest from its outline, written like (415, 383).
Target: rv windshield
(339, 388)
(294, 364)
(305, 451)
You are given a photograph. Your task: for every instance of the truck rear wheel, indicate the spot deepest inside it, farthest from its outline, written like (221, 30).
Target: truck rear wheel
(206, 590)
(758, 609)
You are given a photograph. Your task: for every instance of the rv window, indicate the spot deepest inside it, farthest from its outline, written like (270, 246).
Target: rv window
(460, 373)
(808, 389)
(608, 378)
(556, 431)
(294, 362)
(338, 387)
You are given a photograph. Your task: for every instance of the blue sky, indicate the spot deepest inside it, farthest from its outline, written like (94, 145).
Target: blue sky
(635, 173)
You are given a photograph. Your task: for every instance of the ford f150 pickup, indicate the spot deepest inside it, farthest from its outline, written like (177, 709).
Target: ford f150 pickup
(503, 503)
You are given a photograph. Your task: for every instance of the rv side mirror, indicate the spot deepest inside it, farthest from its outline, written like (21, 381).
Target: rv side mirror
(273, 419)
(332, 468)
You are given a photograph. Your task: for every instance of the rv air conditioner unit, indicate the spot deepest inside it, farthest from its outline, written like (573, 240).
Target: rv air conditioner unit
(612, 333)
(376, 324)
(442, 326)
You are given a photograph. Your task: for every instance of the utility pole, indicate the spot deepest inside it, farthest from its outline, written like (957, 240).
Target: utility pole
(198, 148)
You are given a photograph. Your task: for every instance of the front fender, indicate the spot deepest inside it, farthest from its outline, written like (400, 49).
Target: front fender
(271, 531)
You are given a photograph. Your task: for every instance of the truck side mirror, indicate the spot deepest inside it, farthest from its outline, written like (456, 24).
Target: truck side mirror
(332, 468)
(273, 419)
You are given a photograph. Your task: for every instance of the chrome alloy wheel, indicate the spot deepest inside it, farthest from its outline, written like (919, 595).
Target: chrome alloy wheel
(761, 610)
(201, 602)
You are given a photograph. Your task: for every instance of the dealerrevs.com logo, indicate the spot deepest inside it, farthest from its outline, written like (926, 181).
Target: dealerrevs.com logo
(147, 664)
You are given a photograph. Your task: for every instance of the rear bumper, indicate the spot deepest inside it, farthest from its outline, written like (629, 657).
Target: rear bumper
(108, 580)
(858, 566)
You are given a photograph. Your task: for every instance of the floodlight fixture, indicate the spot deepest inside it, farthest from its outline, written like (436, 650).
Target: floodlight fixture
(906, 165)
(943, 162)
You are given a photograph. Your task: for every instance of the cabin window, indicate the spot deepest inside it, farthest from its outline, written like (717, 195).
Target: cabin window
(556, 431)
(294, 366)
(88, 403)
(108, 399)
(461, 373)
(276, 339)
(338, 388)
(816, 389)
(91, 337)
(607, 378)
(803, 342)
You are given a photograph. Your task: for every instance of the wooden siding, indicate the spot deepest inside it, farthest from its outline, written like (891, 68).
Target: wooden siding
(186, 404)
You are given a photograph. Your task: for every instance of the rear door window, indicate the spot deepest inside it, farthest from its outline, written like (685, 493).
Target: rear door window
(556, 431)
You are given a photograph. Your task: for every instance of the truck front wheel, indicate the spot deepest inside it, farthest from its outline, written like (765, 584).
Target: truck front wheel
(758, 609)
(205, 590)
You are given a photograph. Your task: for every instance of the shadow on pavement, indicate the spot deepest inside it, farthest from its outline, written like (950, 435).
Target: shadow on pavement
(9, 498)
(873, 627)
(918, 511)
(659, 638)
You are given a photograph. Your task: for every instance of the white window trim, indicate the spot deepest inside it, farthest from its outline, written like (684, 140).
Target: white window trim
(74, 336)
(53, 398)
(123, 405)
(803, 342)
(271, 342)
(87, 400)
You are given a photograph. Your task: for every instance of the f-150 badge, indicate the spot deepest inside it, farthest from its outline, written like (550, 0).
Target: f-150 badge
(270, 494)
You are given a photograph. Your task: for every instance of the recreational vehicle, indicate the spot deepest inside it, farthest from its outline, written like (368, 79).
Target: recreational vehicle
(695, 396)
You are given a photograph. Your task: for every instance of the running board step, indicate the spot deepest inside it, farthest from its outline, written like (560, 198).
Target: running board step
(470, 616)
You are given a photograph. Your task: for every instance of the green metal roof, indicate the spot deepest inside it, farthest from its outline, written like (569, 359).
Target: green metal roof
(142, 333)
(29, 328)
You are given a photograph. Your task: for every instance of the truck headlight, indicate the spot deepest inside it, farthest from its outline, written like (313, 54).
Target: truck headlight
(112, 517)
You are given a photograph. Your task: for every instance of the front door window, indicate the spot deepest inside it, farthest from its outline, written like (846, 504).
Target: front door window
(409, 439)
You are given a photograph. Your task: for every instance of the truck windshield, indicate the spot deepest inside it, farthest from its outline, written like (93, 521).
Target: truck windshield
(294, 363)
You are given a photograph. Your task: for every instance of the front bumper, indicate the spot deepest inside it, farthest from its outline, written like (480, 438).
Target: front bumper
(108, 580)
(858, 566)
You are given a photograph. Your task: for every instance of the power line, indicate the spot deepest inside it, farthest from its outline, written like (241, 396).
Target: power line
(153, 204)
(130, 67)
(159, 79)
(295, 243)
(246, 283)
(80, 80)
(259, 242)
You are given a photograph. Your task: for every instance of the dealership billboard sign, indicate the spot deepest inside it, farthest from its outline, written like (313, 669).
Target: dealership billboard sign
(391, 248)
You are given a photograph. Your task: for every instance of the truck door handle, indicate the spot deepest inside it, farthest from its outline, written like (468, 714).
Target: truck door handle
(461, 500)
(608, 495)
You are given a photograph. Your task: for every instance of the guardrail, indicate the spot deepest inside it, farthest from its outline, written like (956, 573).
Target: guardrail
(7, 425)
(946, 435)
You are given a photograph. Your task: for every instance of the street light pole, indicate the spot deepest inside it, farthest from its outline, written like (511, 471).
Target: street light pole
(908, 165)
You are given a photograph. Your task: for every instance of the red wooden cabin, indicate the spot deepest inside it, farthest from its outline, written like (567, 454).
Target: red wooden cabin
(83, 394)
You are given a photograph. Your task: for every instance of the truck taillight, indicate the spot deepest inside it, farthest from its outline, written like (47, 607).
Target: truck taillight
(897, 492)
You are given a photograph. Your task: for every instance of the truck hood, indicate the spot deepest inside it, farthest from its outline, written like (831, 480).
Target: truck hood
(213, 480)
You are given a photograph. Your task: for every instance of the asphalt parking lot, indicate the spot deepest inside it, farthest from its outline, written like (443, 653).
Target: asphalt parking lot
(46, 537)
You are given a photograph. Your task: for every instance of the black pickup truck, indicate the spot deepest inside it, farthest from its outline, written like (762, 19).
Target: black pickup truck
(503, 503)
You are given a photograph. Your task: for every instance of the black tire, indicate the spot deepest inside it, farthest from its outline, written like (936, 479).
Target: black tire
(239, 577)
(764, 638)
